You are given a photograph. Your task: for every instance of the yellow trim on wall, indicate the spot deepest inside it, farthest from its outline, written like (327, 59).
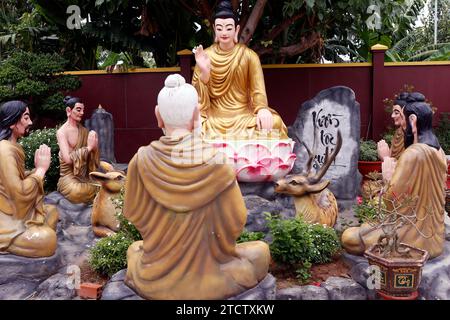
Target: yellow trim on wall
(419, 63)
(137, 70)
(317, 65)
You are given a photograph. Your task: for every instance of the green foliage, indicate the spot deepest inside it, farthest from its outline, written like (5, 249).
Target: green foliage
(31, 143)
(301, 244)
(443, 132)
(109, 255)
(368, 150)
(247, 236)
(36, 78)
(366, 211)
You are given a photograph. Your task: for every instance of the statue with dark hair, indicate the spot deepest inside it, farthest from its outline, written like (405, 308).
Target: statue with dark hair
(420, 172)
(398, 140)
(230, 83)
(27, 226)
(78, 155)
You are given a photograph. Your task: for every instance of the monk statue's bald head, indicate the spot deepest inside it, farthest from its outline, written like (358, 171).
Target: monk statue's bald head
(177, 104)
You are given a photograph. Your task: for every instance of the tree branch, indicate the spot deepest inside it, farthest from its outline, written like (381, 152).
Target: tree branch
(305, 43)
(252, 22)
(285, 24)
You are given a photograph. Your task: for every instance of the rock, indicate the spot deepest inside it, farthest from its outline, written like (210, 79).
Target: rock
(102, 123)
(79, 215)
(344, 289)
(265, 290)
(57, 287)
(15, 268)
(257, 206)
(72, 207)
(17, 290)
(435, 284)
(116, 289)
(345, 219)
(53, 198)
(303, 293)
(331, 109)
(360, 273)
(78, 235)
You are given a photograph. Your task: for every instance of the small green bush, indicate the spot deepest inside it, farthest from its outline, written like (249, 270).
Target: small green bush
(247, 236)
(366, 211)
(300, 244)
(368, 150)
(31, 143)
(109, 255)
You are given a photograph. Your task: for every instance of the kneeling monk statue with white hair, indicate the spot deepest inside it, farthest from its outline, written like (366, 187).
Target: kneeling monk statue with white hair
(188, 207)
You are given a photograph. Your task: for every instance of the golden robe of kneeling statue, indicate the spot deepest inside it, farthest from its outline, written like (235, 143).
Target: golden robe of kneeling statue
(189, 214)
(27, 226)
(74, 182)
(420, 172)
(234, 94)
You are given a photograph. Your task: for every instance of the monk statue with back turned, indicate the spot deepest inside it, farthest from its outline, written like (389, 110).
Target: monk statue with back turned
(78, 155)
(420, 172)
(27, 226)
(230, 83)
(189, 210)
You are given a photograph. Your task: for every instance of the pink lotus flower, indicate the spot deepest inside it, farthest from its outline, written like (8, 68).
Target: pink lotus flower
(260, 160)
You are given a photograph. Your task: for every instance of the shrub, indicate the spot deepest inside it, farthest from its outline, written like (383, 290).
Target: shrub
(368, 150)
(109, 255)
(301, 244)
(247, 236)
(38, 79)
(31, 143)
(443, 132)
(366, 210)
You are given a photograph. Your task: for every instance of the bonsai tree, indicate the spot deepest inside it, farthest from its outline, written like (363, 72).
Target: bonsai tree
(390, 218)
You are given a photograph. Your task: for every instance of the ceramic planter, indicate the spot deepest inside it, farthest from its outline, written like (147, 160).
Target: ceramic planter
(366, 167)
(400, 276)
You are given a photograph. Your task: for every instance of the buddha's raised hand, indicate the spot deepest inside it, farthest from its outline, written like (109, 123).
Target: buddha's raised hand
(203, 62)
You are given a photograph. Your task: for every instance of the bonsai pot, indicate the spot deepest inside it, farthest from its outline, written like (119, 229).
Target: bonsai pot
(400, 276)
(366, 167)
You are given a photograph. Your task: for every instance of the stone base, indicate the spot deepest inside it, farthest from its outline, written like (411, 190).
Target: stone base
(116, 289)
(14, 268)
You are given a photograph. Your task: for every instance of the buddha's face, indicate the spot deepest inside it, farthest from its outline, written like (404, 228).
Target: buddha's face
(398, 117)
(226, 31)
(77, 112)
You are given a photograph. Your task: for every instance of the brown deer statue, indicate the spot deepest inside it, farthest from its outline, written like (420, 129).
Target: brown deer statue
(313, 201)
(103, 219)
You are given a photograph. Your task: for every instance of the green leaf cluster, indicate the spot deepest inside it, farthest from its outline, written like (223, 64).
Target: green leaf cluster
(368, 150)
(301, 244)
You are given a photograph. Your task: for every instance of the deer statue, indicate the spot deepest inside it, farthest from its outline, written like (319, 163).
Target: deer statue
(313, 201)
(104, 221)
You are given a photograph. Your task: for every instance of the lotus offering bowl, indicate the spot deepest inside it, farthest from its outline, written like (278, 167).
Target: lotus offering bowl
(258, 160)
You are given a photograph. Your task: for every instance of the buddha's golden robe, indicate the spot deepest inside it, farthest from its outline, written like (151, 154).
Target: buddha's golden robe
(421, 172)
(398, 143)
(27, 227)
(74, 182)
(234, 94)
(189, 213)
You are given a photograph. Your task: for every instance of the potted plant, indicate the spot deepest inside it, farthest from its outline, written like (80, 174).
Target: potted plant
(400, 264)
(368, 158)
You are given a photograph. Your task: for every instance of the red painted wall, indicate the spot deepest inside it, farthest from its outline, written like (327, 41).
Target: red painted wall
(131, 97)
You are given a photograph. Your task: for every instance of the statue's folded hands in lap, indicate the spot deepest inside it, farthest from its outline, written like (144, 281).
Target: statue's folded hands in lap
(189, 210)
(27, 226)
(230, 83)
(78, 155)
